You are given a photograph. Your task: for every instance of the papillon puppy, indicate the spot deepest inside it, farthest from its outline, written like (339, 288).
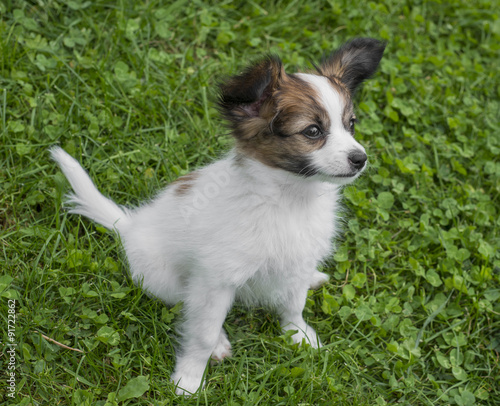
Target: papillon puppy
(253, 226)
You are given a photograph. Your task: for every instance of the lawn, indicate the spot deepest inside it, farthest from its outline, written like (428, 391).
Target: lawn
(411, 315)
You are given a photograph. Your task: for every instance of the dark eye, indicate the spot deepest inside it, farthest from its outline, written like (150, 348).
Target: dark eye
(352, 123)
(312, 132)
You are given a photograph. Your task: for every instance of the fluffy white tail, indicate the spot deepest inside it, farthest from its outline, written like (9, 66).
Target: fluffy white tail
(87, 200)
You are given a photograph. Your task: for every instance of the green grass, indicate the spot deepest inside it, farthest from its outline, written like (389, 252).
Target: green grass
(412, 313)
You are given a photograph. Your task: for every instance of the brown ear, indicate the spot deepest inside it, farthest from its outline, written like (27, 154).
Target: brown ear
(243, 96)
(354, 61)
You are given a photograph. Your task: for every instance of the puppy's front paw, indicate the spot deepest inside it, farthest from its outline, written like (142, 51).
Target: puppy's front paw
(223, 348)
(309, 336)
(187, 384)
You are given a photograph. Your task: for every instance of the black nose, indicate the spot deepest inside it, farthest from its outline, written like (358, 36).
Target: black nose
(357, 159)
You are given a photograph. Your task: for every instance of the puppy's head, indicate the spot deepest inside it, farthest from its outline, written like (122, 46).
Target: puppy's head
(302, 123)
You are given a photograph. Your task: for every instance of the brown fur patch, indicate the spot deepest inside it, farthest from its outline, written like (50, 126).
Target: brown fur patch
(184, 184)
(244, 98)
(298, 106)
(277, 138)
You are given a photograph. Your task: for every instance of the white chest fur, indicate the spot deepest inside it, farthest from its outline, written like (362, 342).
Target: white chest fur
(240, 223)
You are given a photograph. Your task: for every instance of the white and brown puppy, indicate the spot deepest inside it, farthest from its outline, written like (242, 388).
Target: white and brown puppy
(254, 225)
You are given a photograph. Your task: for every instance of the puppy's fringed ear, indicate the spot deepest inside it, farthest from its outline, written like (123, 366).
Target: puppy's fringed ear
(244, 96)
(354, 62)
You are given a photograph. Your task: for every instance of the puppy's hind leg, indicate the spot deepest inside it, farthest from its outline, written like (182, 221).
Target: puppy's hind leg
(318, 279)
(205, 309)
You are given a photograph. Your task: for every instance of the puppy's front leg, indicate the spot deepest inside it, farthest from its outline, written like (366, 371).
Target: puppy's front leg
(290, 311)
(205, 311)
